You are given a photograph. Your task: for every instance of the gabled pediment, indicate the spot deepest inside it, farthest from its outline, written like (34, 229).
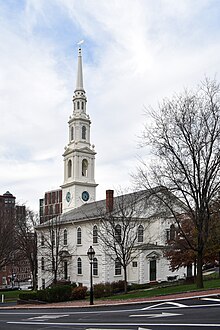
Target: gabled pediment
(153, 255)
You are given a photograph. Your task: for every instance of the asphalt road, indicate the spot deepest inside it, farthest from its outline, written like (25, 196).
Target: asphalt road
(199, 313)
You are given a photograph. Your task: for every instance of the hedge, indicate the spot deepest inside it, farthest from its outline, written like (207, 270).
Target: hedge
(56, 293)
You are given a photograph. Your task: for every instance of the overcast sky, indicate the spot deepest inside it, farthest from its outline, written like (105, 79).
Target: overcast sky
(136, 52)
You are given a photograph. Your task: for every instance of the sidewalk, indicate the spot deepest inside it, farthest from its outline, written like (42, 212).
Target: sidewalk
(85, 303)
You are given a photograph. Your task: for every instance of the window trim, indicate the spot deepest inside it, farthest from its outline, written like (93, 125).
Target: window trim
(140, 234)
(65, 236)
(79, 236)
(117, 267)
(95, 234)
(95, 269)
(118, 233)
(79, 266)
(69, 168)
(83, 132)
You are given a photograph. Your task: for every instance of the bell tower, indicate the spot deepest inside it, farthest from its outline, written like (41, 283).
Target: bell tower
(79, 185)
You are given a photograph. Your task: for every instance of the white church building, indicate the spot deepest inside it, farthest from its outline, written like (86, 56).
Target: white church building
(64, 240)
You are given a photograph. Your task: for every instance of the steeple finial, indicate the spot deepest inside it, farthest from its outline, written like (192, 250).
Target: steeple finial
(79, 81)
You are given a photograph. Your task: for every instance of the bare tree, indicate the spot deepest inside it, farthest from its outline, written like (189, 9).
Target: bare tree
(55, 250)
(7, 236)
(185, 139)
(121, 229)
(27, 240)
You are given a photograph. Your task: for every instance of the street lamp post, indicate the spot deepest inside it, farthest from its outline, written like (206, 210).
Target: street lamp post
(91, 254)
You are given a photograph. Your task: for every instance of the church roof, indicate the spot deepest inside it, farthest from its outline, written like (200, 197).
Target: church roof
(94, 210)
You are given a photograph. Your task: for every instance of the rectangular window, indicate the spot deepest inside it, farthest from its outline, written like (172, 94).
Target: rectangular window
(134, 264)
(117, 267)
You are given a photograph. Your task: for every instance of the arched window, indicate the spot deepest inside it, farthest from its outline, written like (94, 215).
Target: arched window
(69, 168)
(84, 167)
(79, 236)
(78, 105)
(118, 233)
(65, 237)
(42, 263)
(72, 134)
(79, 266)
(95, 234)
(82, 105)
(140, 234)
(171, 233)
(117, 267)
(84, 132)
(95, 266)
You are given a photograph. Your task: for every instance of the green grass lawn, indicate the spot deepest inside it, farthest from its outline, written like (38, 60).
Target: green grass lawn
(164, 290)
(9, 296)
(159, 290)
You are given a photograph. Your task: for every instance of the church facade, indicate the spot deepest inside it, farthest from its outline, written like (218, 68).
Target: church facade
(63, 240)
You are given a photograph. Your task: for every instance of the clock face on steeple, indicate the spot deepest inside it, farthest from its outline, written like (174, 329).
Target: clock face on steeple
(68, 196)
(85, 196)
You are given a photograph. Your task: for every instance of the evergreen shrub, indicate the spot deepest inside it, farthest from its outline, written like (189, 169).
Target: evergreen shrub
(102, 290)
(32, 295)
(79, 292)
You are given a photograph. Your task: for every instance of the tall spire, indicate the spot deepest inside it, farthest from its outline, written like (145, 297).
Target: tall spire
(79, 81)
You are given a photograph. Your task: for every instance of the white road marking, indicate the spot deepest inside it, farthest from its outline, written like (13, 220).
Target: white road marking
(170, 303)
(208, 325)
(211, 299)
(152, 316)
(46, 317)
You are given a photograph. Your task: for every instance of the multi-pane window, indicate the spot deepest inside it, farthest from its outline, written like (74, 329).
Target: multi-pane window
(79, 236)
(79, 266)
(95, 266)
(95, 234)
(118, 233)
(140, 234)
(117, 267)
(171, 233)
(65, 237)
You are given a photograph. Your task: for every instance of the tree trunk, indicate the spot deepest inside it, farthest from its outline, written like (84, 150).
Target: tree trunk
(125, 280)
(199, 277)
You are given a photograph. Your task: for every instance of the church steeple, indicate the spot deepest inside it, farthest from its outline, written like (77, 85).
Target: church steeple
(79, 81)
(79, 156)
(79, 97)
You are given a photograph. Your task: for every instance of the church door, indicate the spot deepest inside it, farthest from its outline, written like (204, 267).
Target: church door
(153, 270)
